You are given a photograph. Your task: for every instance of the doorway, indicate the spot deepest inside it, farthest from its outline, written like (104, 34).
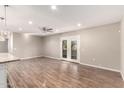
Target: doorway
(4, 46)
(6, 43)
(70, 48)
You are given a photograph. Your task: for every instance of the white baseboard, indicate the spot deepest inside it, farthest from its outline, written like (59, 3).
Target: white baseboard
(51, 57)
(61, 59)
(100, 67)
(30, 57)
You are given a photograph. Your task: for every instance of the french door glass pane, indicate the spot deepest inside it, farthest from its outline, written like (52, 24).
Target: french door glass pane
(64, 48)
(74, 49)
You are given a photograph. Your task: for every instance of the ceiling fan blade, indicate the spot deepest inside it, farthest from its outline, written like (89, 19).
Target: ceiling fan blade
(45, 29)
(49, 30)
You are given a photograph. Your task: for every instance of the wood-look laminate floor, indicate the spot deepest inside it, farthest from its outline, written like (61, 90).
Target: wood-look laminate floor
(50, 73)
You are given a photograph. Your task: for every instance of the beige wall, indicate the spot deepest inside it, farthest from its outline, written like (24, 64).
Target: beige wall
(25, 45)
(101, 43)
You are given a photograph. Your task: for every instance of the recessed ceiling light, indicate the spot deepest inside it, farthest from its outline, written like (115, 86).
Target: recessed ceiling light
(20, 29)
(30, 22)
(119, 31)
(53, 7)
(78, 24)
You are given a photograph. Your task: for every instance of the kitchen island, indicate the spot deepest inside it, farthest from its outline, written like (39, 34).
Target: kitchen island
(5, 58)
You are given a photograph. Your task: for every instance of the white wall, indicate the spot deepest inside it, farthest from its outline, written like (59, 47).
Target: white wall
(101, 43)
(25, 46)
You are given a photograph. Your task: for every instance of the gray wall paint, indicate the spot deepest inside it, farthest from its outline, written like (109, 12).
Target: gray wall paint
(101, 43)
(4, 46)
(25, 45)
(51, 46)
(122, 47)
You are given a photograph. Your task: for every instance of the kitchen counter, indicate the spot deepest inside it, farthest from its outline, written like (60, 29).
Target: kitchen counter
(4, 58)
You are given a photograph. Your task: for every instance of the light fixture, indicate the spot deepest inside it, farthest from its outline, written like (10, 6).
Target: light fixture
(1, 19)
(30, 22)
(53, 7)
(4, 34)
(78, 24)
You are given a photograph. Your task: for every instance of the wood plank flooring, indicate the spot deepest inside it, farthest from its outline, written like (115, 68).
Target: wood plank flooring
(50, 73)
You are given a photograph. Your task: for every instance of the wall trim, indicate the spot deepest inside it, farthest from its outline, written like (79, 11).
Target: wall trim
(100, 67)
(25, 58)
(52, 57)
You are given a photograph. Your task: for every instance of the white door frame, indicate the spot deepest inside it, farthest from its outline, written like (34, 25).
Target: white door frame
(10, 43)
(69, 38)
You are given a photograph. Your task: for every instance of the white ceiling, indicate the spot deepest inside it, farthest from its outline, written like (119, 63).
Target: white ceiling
(64, 19)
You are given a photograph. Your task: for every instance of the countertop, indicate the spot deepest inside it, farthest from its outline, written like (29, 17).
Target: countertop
(6, 57)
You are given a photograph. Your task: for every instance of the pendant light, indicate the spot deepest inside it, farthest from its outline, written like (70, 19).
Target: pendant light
(4, 34)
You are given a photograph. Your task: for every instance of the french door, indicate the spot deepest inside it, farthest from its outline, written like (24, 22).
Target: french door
(70, 48)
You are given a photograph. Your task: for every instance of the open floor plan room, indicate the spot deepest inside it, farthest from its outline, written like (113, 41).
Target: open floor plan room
(61, 46)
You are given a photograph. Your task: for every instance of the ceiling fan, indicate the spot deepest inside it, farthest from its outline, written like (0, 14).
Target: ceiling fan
(45, 29)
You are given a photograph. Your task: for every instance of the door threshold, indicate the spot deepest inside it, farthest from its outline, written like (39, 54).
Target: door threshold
(70, 61)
